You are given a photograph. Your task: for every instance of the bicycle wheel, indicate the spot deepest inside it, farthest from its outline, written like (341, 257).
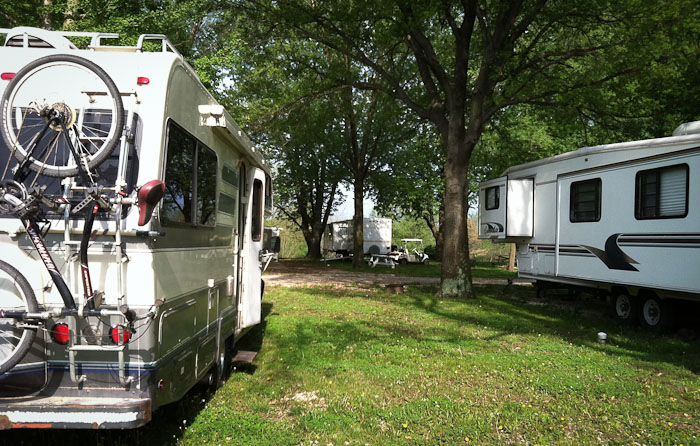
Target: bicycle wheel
(60, 92)
(15, 295)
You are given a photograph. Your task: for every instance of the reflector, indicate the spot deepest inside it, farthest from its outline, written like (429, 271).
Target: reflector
(61, 333)
(114, 334)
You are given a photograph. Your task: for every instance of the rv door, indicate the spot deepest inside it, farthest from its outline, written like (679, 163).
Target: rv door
(252, 245)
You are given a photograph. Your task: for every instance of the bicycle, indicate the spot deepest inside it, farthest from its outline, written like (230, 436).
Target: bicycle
(59, 133)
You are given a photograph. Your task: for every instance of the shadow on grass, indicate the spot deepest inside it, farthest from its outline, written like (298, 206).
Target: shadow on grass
(505, 312)
(514, 311)
(167, 425)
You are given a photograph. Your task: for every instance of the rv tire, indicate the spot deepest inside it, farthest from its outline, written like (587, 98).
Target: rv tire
(656, 314)
(16, 294)
(625, 307)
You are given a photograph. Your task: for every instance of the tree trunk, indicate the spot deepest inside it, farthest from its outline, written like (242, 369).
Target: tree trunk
(357, 220)
(436, 230)
(439, 244)
(456, 278)
(70, 13)
(511, 258)
(313, 243)
(46, 15)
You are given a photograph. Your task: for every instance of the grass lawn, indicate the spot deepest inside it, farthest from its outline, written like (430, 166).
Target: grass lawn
(362, 366)
(482, 269)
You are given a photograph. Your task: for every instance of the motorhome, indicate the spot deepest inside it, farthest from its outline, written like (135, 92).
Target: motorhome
(174, 274)
(620, 218)
(339, 239)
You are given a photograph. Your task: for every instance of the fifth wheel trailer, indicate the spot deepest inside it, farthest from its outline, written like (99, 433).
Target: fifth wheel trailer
(622, 218)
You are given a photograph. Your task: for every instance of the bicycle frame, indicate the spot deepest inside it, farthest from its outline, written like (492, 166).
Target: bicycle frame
(32, 228)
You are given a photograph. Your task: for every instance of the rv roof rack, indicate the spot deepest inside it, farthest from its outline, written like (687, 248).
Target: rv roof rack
(29, 37)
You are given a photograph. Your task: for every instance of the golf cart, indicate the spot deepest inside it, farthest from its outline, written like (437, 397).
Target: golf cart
(411, 252)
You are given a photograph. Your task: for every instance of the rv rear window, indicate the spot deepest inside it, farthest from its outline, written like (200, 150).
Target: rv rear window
(585, 201)
(662, 193)
(493, 198)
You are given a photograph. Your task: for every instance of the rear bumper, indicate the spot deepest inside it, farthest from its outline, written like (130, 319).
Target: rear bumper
(74, 413)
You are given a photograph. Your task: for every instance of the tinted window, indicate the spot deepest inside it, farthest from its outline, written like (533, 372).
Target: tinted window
(106, 171)
(662, 193)
(190, 180)
(179, 187)
(256, 227)
(585, 201)
(493, 198)
(206, 186)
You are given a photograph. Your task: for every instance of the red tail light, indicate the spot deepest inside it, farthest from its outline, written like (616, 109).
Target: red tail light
(61, 333)
(142, 81)
(7, 76)
(120, 333)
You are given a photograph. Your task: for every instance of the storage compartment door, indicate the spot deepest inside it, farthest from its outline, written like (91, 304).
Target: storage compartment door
(520, 208)
(492, 209)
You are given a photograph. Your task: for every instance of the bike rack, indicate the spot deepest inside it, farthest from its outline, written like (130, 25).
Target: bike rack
(70, 186)
(73, 349)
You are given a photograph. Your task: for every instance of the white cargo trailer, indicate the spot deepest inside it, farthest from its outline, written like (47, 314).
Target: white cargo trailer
(623, 218)
(339, 239)
(179, 279)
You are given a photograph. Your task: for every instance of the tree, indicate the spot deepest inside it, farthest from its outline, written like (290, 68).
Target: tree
(457, 65)
(413, 185)
(370, 125)
(20, 13)
(308, 172)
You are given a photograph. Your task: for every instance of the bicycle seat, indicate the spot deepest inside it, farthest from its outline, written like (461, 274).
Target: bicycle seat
(148, 197)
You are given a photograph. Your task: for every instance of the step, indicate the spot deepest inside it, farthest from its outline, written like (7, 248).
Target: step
(244, 356)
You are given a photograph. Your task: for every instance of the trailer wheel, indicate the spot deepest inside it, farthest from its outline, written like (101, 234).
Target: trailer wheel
(625, 307)
(426, 261)
(403, 261)
(656, 314)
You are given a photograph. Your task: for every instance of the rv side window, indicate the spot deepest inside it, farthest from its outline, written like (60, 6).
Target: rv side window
(190, 180)
(662, 193)
(206, 186)
(268, 192)
(585, 201)
(493, 198)
(256, 227)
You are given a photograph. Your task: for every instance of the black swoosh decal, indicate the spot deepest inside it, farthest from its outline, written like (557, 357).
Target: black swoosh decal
(613, 256)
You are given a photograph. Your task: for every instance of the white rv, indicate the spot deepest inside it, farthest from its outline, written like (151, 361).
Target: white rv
(623, 218)
(172, 283)
(339, 238)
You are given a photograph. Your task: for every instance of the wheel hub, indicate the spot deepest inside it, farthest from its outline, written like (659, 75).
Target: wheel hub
(652, 312)
(59, 113)
(623, 306)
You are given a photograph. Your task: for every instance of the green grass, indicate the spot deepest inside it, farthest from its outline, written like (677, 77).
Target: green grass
(354, 367)
(482, 270)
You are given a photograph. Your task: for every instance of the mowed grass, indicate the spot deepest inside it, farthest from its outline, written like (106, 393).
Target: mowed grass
(482, 269)
(362, 366)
